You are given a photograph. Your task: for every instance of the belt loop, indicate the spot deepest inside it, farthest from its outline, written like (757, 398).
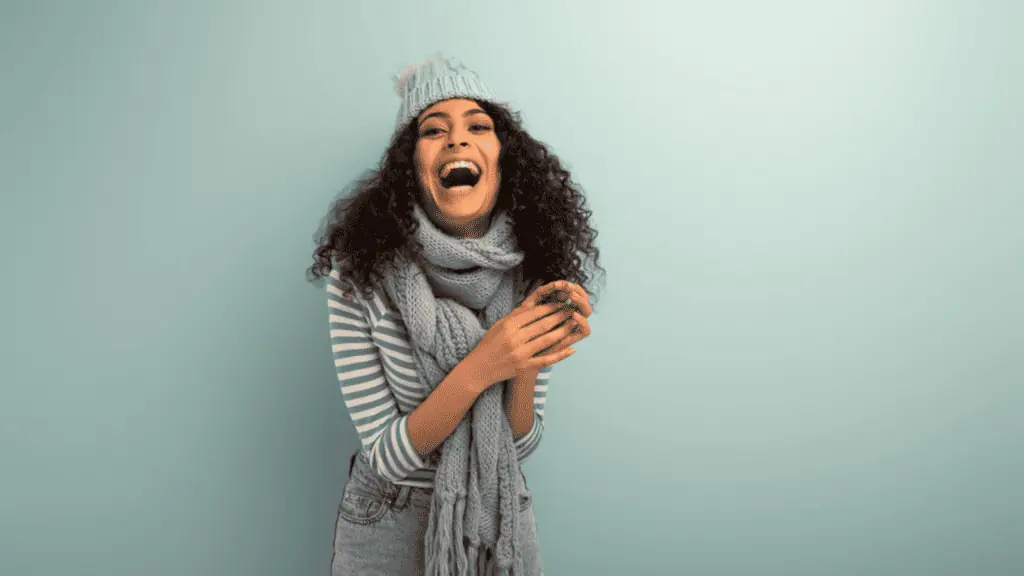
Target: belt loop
(403, 496)
(352, 463)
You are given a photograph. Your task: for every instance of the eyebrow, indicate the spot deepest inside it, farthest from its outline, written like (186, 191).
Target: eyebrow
(440, 114)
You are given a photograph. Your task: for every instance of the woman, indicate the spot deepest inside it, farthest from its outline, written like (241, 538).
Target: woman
(438, 268)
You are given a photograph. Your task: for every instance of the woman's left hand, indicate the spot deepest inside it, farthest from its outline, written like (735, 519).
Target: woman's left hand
(579, 299)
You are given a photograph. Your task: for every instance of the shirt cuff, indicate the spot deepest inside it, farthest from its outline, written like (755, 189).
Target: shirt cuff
(528, 443)
(394, 456)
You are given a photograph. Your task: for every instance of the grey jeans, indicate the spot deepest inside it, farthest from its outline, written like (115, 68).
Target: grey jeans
(381, 526)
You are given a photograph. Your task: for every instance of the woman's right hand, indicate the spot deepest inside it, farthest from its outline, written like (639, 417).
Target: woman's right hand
(509, 346)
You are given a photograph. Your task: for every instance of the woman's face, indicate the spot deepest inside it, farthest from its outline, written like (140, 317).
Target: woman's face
(457, 166)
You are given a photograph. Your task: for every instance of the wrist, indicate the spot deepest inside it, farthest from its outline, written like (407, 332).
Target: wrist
(475, 374)
(526, 375)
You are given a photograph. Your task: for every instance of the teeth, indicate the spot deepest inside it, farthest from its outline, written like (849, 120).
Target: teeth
(449, 166)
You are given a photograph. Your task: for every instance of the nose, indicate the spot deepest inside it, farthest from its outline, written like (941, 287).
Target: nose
(458, 138)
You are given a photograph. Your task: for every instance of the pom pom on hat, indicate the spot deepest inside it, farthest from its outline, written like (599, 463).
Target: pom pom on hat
(403, 78)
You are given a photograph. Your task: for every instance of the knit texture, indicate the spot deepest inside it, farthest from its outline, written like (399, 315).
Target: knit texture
(474, 511)
(439, 78)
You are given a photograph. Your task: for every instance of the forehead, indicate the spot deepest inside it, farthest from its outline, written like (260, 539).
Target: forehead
(454, 107)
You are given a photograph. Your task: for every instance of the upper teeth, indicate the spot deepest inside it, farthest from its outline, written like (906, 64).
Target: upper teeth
(448, 167)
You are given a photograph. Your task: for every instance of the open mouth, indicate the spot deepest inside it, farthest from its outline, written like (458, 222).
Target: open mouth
(459, 174)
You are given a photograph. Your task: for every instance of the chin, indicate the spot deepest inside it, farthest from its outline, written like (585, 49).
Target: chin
(463, 206)
(467, 216)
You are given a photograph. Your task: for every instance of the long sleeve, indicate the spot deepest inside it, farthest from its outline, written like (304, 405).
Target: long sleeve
(527, 445)
(383, 430)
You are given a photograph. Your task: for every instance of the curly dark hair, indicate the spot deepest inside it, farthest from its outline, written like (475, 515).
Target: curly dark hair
(365, 230)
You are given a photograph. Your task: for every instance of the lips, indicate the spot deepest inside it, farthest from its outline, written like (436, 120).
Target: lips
(457, 173)
(449, 165)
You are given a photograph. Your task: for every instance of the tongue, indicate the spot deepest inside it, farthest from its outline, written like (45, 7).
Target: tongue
(459, 177)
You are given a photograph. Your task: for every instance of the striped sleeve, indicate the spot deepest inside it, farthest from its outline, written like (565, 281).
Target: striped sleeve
(383, 430)
(527, 445)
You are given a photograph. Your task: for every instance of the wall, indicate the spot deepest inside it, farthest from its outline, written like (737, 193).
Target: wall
(807, 359)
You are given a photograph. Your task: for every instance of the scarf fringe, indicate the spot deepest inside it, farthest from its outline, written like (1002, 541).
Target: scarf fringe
(441, 553)
(474, 561)
(462, 559)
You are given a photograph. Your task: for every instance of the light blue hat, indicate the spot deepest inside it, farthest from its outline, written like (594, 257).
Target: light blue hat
(439, 78)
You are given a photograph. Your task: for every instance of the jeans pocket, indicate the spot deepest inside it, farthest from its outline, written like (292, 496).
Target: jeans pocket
(525, 500)
(525, 497)
(363, 508)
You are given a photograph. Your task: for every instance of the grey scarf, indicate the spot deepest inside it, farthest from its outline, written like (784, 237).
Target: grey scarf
(474, 518)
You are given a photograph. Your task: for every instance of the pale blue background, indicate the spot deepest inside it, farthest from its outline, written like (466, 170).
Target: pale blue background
(808, 360)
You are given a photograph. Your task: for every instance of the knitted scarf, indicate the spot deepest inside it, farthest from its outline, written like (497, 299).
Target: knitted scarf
(464, 286)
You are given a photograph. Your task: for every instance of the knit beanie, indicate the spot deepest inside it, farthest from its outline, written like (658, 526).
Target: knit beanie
(439, 78)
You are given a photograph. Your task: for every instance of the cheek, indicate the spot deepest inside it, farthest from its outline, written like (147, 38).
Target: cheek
(494, 157)
(420, 160)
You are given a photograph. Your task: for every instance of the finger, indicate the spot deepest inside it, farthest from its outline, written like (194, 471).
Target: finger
(546, 324)
(568, 332)
(582, 299)
(552, 358)
(544, 341)
(563, 285)
(534, 298)
(578, 296)
(526, 316)
(547, 288)
(576, 323)
(571, 338)
(583, 324)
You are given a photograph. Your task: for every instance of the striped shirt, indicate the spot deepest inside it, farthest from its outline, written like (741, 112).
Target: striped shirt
(381, 387)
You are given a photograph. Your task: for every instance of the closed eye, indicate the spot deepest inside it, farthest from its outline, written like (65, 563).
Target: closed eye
(474, 128)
